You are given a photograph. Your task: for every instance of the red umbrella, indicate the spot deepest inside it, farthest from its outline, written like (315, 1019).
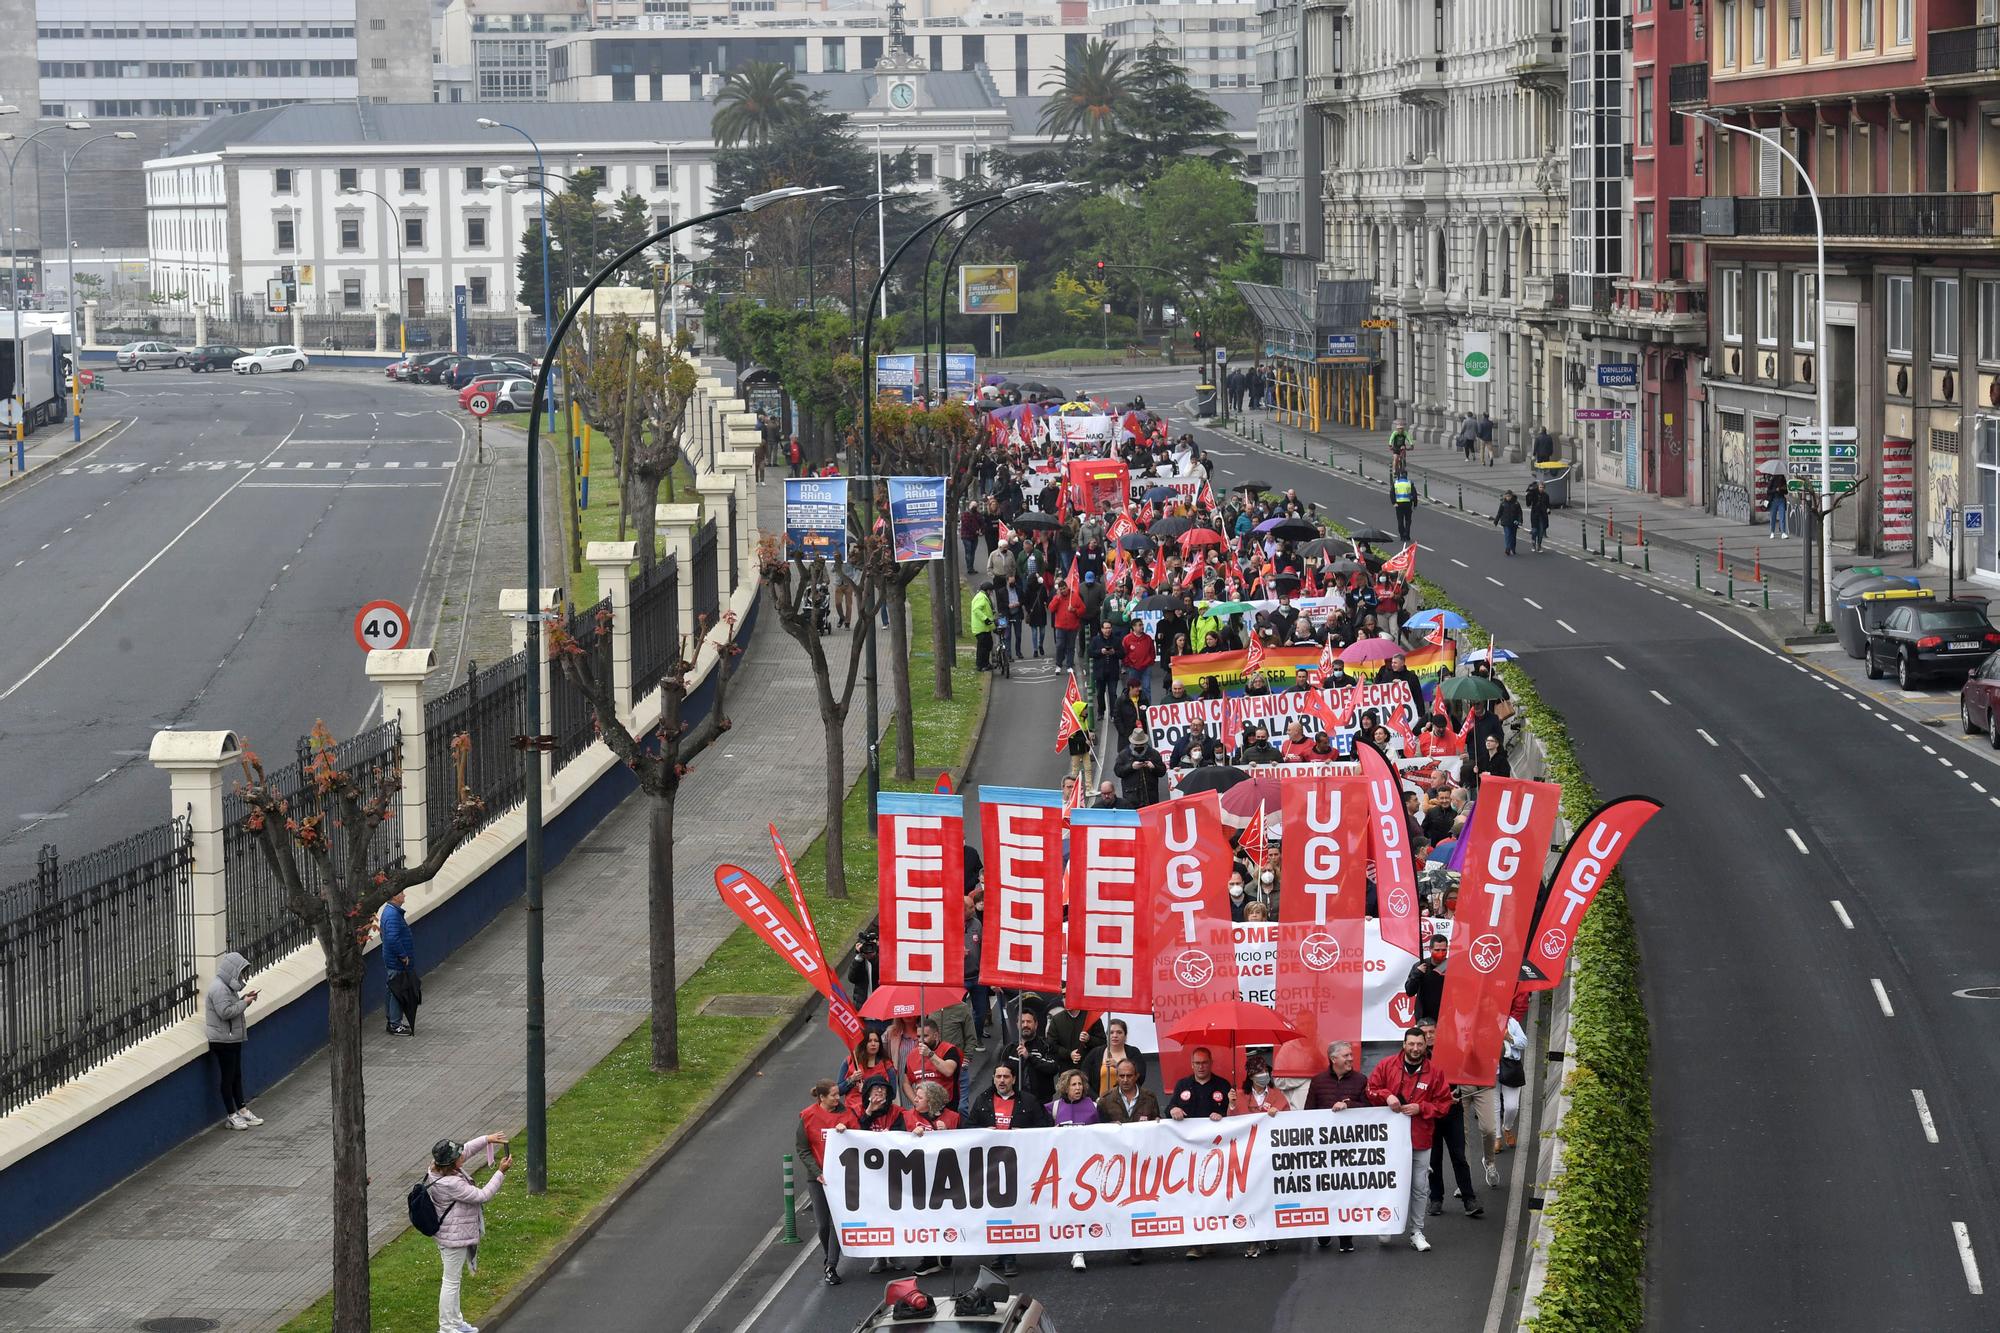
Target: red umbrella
(1232, 1023)
(1202, 537)
(1300, 1058)
(1242, 801)
(1369, 650)
(887, 1002)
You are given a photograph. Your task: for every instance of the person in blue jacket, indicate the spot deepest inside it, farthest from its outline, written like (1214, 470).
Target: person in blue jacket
(399, 955)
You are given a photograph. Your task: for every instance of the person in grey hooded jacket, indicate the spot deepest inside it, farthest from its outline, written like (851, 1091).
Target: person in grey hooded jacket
(223, 1009)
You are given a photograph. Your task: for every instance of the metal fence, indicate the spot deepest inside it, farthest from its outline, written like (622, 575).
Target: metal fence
(487, 706)
(95, 954)
(318, 329)
(262, 925)
(570, 716)
(656, 626)
(707, 597)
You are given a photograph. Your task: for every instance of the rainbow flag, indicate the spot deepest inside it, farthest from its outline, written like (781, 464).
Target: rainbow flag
(1281, 665)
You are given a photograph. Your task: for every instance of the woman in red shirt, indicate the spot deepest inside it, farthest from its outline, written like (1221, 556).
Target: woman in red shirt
(869, 1057)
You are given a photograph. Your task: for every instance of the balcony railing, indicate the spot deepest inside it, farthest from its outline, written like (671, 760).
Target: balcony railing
(1961, 51)
(1687, 85)
(1888, 216)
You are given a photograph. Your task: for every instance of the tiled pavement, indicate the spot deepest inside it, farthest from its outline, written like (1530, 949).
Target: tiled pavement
(235, 1227)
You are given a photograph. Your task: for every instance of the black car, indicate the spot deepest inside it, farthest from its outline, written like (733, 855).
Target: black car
(215, 356)
(467, 369)
(431, 369)
(1923, 639)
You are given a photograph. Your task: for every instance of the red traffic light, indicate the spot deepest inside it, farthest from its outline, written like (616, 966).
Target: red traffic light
(1100, 266)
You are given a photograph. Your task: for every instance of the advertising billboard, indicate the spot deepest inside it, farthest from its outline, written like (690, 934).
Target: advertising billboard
(989, 289)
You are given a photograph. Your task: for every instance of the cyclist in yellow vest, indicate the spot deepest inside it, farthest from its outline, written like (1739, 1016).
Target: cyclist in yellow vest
(1404, 492)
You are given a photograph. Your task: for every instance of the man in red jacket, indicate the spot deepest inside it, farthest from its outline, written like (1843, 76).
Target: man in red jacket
(1139, 655)
(1066, 612)
(815, 1120)
(1409, 1084)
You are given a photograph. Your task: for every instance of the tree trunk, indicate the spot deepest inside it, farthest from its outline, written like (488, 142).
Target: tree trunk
(350, 1152)
(899, 676)
(645, 529)
(660, 929)
(834, 722)
(942, 652)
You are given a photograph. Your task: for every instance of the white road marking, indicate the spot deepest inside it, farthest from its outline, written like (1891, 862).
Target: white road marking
(1755, 790)
(1566, 625)
(1841, 912)
(1924, 1115)
(1731, 629)
(1896, 726)
(1460, 563)
(1614, 661)
(1705, 736)
(157, 556)
(1882, 997)
(1661, 697)
(1929, 750)
(1981, 790)
(1495, 582)
(1965, 1259)
(1797, 841)
(1532, 602)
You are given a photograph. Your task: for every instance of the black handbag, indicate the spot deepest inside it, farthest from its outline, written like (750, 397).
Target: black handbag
(1512, 1075)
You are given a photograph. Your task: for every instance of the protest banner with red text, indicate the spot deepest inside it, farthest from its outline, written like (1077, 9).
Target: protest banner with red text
(921, 863)
(1389, 845)
(1020, 833)
(1322, 911)
(1120, 1187)
(1107, 916)
(1222, 718)
(1505, 848)
(1593, 853)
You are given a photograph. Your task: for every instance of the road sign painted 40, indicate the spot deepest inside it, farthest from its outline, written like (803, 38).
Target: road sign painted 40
(382, 625)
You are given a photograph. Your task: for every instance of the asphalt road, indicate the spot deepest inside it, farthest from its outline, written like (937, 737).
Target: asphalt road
(1807, 905)
(200, 569)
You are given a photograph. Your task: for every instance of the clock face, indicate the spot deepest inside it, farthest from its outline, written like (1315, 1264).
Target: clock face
(902, 96)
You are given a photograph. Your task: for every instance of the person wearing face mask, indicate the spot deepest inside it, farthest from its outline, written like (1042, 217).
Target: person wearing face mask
(1239, 889)
(1410, 1085)
(1258, 1096)
(1426, 979)
(1267, 886)
(1141, 768)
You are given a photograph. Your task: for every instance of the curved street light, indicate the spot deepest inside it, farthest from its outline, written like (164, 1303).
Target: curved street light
(14, 281)
(402, 288)
(69, 251)
(537, 1181)
(531, 849)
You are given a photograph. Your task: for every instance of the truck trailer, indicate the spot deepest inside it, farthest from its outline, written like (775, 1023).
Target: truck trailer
(31, 376)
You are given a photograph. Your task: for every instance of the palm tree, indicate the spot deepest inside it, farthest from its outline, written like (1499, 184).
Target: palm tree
(754, 101)
(1092, 95)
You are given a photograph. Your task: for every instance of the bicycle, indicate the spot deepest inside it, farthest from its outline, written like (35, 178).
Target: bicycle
(1002, 657)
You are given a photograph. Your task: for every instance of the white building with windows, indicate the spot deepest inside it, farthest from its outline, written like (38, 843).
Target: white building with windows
(1445, 187)
(1215, 39)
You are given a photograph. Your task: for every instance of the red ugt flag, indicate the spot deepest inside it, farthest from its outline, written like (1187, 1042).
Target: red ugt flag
(1404, 562)
(1322, 914)
(1504, 850)
(1253, 656)
(1020, 830)
(921, 863)
(1593, 853)
(1193, 951)
(1066, 724)
(1389, 839)
(1107, 918)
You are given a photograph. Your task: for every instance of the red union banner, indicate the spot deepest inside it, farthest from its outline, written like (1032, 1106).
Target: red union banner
(1322, 914)
(759, 909)
(1586, 863)
(1389, 841)
(921, 862)
(1504, 850)
(1020, 830)
(1107, 924)
(1193, 948)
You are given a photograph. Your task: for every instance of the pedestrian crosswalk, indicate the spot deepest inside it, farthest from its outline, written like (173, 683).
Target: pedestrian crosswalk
(241, 465)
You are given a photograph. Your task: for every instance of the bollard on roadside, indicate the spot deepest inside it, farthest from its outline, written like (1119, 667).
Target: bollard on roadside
(1600, 542)
(1732, 583)
(1582, 534)
(1647, 553)
(791, 1235)
(1697, 575)
(1766, 581)
(1621, 550)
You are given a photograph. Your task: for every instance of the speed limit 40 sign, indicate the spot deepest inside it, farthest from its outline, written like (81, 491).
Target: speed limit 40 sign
(382, 625)
(480, 404)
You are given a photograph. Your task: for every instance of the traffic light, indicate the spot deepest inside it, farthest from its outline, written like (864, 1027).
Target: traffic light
(1197, 340)
(1100, 268)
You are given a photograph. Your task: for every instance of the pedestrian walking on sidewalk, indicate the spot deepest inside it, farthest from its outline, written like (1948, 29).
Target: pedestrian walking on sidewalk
(1538, 513)
(1485, 432)
(227, 1029)
(1508, 516)
(1468, 436)
(399, 960)
(461, 1208)
(1780, 499)
(1545, 446)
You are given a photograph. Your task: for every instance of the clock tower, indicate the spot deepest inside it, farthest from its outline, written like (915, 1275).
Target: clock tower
(899, 74)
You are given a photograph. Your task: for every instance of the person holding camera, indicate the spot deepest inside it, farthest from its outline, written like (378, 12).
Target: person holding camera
(461, 1209)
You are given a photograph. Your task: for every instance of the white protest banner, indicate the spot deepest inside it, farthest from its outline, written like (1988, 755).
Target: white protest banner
(1120, 1187)
(1225, 718)
(1186, 489)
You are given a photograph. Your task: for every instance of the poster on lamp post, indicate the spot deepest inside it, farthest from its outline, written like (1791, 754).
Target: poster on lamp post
(816, 518)
(896, 377)
(916, 517)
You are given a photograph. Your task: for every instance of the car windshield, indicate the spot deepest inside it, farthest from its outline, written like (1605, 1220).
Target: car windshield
(1953, 620)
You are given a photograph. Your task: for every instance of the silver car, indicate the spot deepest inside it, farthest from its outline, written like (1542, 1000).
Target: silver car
(144, 356)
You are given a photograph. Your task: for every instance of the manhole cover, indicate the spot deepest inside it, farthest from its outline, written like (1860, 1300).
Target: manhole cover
(746, 1006)
(178, 1323)
(1978, 993)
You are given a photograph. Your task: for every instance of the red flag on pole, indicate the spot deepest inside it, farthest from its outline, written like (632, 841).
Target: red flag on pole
(1322, 913)
(1253, 655)
(1192, 952)
(799, 908)
(1389, 840)
(1586, 863)
(1067, 722)
(758, 908)
(1255, 846)
(1107, 916)
(921, 869)
(1504, 850)
(1021, 831)
(1404, 562)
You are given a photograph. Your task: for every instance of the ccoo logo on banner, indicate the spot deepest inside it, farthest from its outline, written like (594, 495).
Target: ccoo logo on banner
(1116, 1187)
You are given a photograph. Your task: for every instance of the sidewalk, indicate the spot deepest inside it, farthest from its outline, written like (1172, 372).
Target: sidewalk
(235, 1228)
(1680, 533)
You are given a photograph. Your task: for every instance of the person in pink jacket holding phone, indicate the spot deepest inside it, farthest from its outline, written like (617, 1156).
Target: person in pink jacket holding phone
(461, 1207)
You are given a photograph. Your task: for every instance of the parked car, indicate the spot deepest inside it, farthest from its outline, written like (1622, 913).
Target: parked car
(214, 356)
(144, 356)
(283, 356)
(1921, 639)
(514, 395)
(1979, 701)
(431, 370)
(407, 368)
(470, 368)
(479, 384)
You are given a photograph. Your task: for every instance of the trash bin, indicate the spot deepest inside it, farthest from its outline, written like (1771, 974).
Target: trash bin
(1843, 577)
(1204, 400)
(1862, 603)
(1554, 476)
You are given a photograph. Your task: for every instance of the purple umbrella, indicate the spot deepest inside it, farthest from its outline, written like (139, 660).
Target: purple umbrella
(1269, 523)
(1369, 650)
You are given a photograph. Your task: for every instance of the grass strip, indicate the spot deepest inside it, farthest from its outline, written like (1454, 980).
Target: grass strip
(614, 1117)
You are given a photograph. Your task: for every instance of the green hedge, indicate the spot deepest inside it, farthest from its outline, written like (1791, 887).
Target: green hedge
(1596, 1244)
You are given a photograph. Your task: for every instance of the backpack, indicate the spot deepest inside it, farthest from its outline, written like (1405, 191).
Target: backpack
(424, 1215)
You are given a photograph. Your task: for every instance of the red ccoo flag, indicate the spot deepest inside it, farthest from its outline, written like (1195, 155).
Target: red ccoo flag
(1067, 723)
(1404, 562)
(1253, 655)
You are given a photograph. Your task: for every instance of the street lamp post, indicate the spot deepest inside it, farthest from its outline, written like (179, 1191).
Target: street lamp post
(402, 288)
(1822, 511)
(531, 860)
(19, 371)
(549, 400)
(812, 287)
(69, 249)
